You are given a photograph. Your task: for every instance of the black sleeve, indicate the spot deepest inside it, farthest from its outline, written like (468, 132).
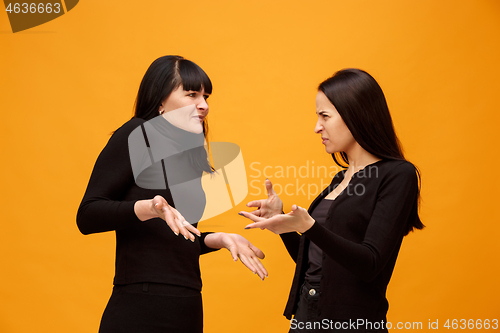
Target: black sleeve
(102, 208)
(291, 241)
(395, 202)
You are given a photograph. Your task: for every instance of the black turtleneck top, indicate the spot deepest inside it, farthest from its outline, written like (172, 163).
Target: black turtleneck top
(146, 251)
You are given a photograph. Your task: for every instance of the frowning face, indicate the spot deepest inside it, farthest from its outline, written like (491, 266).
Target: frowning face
(186, 109)
(335, 134)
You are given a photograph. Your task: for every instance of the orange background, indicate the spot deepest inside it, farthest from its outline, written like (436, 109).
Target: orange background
(67, 84)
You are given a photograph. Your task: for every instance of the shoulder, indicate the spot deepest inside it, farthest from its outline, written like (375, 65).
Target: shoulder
(392, 166)
(129, 127)
(121, 135)
(399, 166)
(119, 139)
(401, 172)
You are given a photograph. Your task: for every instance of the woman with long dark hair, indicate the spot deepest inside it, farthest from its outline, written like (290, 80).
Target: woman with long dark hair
(346, 245)
(146, 186)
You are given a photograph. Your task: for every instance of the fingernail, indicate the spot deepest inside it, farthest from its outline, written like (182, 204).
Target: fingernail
(185, 237)
(176, 233)
(241, 214)
(247, 227)
(267, 178)
(192, 240)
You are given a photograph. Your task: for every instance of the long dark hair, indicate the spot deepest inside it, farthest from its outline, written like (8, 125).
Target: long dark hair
(163, 76)
(361, 103)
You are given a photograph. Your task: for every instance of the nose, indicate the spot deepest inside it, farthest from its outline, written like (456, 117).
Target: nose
(318, 128)
(202, 105)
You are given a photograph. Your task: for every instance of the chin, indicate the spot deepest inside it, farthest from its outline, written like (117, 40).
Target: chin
(330, 150)
(333, 151)
(195, 128)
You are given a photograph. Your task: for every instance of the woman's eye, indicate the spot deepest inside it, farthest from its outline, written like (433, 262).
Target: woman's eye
(206, 97)
(192, 95)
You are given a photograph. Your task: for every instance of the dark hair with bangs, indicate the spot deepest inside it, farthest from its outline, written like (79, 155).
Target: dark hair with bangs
(361, 103)
(163, 76)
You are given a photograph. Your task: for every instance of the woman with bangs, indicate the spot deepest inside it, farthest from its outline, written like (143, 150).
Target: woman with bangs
(346, 244)
(146, 187)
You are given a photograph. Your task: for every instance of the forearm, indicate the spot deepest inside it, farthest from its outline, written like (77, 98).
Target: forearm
(96, 216)
(357, 258)
(364, 259)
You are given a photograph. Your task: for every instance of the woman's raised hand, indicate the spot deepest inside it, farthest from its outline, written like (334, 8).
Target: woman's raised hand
(159, 207)
(267, 207)
(297, 220)
(174, 219)
(239, 247)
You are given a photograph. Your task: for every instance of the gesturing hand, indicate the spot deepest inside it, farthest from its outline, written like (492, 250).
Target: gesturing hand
(239, 247)
(297, 220)
(267, 207)
(174, 219)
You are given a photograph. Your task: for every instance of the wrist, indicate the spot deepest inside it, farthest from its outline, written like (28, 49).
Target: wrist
(214, 240)
(144, 210)
(308, 223)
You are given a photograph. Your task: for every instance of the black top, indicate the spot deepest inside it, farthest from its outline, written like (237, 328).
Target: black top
(315, 254)
(360, 241)
(146, 251)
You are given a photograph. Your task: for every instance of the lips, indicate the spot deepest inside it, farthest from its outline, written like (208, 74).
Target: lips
(199, 117)
(324, 140)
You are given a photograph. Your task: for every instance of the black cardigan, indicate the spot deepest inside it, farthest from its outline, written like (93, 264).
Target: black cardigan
(363, 232)
(146, 251)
